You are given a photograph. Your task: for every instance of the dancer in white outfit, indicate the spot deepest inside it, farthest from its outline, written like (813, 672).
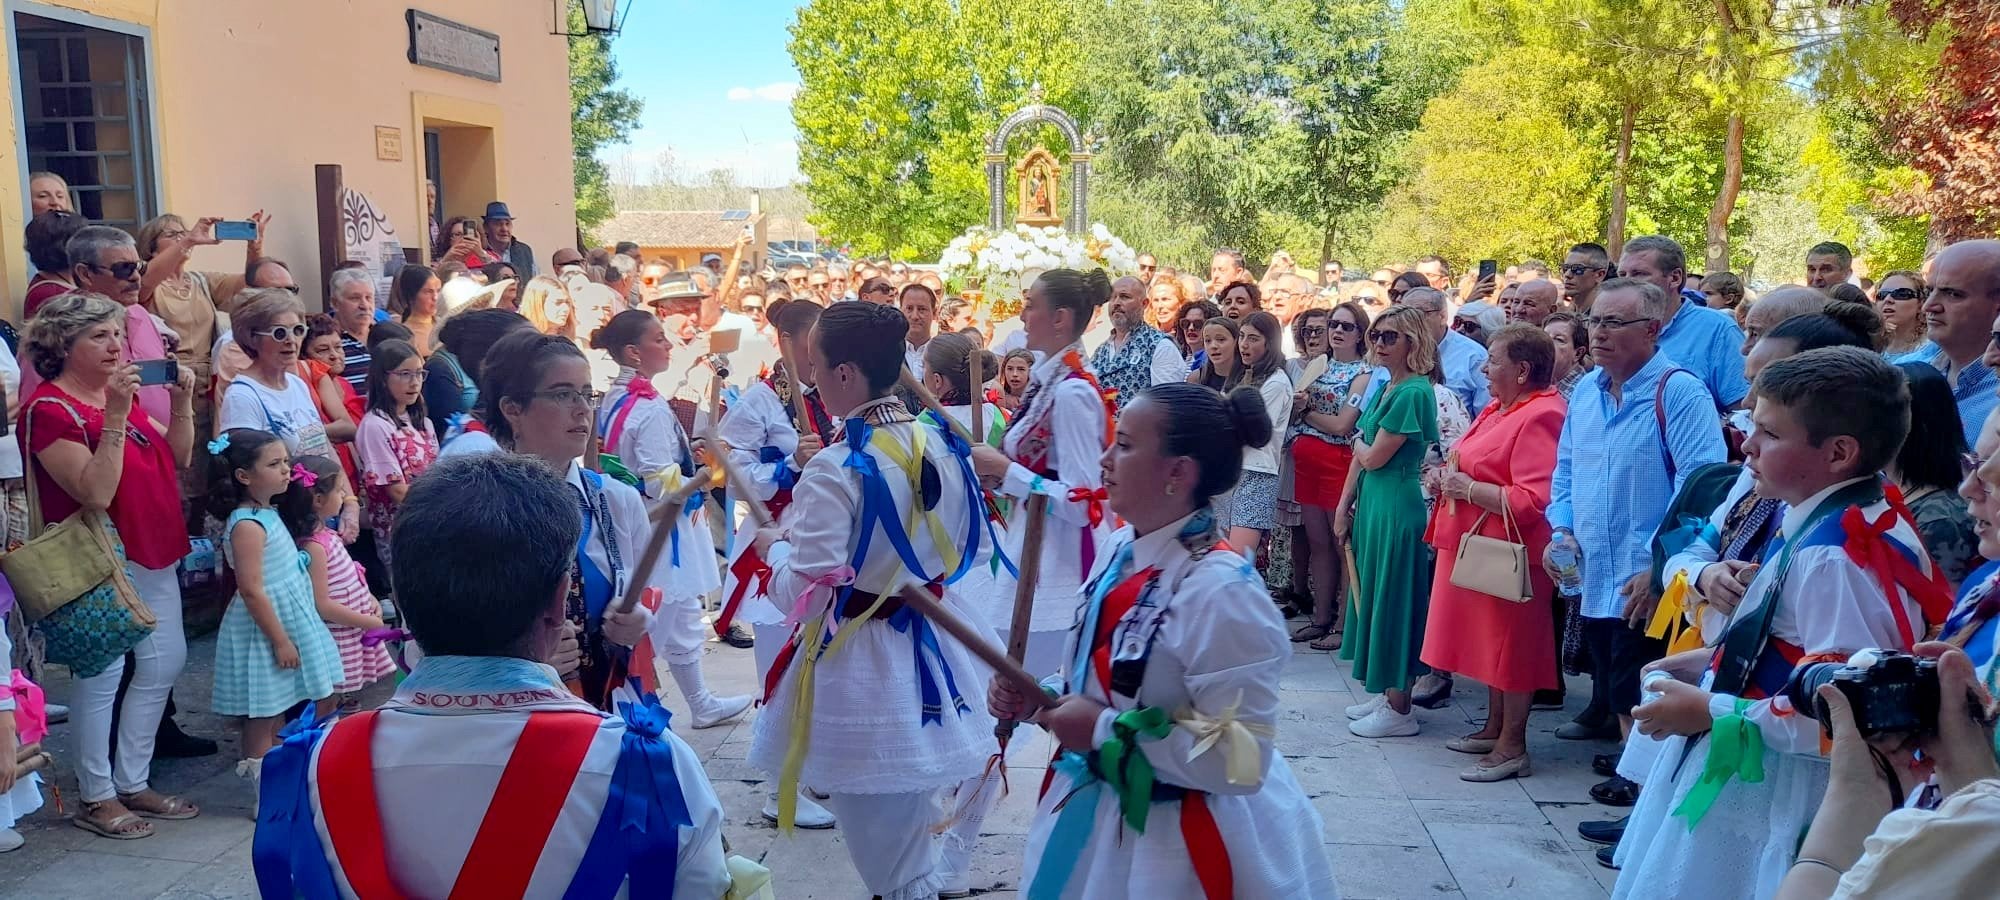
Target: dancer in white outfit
(869, 701)
(1168, 784)
(1052, 448)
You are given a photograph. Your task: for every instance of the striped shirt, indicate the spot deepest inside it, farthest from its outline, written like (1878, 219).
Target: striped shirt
(1611, 485)
(354, 362)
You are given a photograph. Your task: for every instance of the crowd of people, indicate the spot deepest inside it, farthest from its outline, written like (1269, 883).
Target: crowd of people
(1690, 492)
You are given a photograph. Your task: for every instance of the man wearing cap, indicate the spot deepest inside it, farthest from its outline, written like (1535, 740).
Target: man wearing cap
(712, 262)
(500, 242)
(565, 256)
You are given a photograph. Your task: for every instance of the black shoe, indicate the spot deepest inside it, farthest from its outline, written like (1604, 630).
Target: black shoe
(1606, 854)
(173, 743)
(739, 636)
(1578, 730)
(1547, 699)
(1438, 697)
(1615, 791)
(1602, 831)
(1605, 764)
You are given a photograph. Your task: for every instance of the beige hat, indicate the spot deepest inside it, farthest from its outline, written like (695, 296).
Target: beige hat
(464, 294)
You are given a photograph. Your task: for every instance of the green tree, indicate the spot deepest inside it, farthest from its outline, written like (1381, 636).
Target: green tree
(600, 116)
(1509, 164)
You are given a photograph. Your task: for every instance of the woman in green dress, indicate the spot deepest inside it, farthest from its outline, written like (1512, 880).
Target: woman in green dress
(1383, 505)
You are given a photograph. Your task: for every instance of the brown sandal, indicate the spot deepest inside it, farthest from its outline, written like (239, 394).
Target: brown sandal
(120, 828)
(160, 806)
(1330, 642)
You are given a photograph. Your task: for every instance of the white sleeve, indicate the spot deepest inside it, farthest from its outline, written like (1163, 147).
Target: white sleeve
(752, 424)
(1168, 366)
(240, 409)
(655, 443)
(819, 525)
(1078, 443)
(702, 869)
(1277, 395)
(1233, 649)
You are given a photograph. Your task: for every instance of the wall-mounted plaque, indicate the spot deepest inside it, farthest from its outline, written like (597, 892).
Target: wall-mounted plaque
(453, 47)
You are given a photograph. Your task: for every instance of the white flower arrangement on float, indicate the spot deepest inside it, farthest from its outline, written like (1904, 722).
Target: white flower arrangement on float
(999, 265)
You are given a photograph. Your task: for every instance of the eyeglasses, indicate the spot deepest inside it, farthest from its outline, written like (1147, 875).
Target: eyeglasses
(1194, 325)
(1343, 325)
(1596, 322)
(1970, 462)
(1463, 326)
(291, 287)
(1384, 338)
(281, 332)
(571, 397)
(757, 308)
(123, 271)
(1313, 330)
(408, 374)
(1897, 294)
(1579, 270)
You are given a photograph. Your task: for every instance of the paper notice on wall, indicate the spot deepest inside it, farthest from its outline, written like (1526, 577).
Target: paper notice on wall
(370, 239)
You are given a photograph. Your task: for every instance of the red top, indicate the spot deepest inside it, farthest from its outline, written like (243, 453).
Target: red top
(1514, 447)
(42, 289)
(146, 509)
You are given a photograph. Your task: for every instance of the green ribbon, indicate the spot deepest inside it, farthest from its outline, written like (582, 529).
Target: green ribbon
(1126, 768)
(1735, 750)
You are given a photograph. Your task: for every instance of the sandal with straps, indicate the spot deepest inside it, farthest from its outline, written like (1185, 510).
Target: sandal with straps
(160, 806)
(120, 828)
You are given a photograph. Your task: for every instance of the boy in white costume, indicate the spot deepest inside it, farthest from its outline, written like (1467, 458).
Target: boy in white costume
(483, 775)
(869, 701)
(1169, 785)
(1845, 572)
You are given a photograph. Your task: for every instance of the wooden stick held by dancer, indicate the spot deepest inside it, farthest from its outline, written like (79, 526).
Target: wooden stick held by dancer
(920, 599)
(800, 416)
(1037, 513)
(909, 382)
(664, 522)
(977, 378)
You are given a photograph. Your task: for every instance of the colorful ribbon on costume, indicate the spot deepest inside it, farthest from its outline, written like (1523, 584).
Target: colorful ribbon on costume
(396, 638)
(839, 577)
(637, 840)
(1242, 759)
(924, 640)
(31, 709)
(1735, 750)
(1076, 816)
(1672, 620)
(1867, 543)
(1125, 766)
(285, 852)
(1093, 500)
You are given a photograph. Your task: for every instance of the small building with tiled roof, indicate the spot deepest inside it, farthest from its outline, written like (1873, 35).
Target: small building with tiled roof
(682, 237)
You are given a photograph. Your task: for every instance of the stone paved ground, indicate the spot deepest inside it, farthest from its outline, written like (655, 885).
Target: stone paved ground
(1399, 823)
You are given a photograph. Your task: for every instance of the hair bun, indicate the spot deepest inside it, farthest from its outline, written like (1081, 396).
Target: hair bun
(1097, 286)
(1859, 318)
(1249, 421)
(597, 338)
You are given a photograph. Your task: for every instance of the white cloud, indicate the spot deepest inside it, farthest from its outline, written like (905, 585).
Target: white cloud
(775, 92)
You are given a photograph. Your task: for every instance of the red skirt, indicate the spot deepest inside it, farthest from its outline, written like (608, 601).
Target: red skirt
(1319, 471)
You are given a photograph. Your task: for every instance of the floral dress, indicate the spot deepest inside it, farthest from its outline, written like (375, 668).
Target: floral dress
(391, 453)
(1452, 424)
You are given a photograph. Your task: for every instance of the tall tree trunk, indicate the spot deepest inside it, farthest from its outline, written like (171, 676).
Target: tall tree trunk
(1621, 175)
(1325, 248)
(1716, 259)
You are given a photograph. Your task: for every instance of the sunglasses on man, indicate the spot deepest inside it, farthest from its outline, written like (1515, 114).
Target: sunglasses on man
(123, 271)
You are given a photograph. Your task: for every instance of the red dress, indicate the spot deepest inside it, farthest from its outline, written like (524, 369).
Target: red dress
(1505, 645)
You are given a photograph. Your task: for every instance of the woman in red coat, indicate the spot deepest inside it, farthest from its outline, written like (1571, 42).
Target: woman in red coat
(1503, 467)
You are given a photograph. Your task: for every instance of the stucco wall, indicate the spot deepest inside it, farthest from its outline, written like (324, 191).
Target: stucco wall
(251, 94)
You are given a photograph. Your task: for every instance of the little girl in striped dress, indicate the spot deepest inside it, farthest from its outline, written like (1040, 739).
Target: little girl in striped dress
(340, 592)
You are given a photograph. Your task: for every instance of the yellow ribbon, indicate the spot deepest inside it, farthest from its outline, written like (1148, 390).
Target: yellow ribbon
(912, 464)
(1672, 620)
(1242, 759)
(806, 660)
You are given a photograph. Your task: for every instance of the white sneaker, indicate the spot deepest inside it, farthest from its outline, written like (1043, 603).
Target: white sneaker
(1361, 710)
(252, 769)
(10, 840)
(57, 714)
(810, 816)
(1385, 722)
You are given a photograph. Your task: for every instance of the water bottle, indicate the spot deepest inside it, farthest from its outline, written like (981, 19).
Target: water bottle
(1649, 686)
(1569, 575)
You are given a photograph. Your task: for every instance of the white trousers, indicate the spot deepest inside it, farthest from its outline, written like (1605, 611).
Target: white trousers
(159, 660)
(888, 837)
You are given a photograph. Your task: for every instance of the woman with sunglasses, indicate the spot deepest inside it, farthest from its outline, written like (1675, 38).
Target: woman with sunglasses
(1324, 413)
(1188, 323)
(1900, 300)
(269, 395)
(1391, 596)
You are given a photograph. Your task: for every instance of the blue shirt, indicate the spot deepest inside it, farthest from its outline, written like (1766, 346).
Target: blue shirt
(1708, 343)
(1974, 392)
(1464, 363)
(1611, 486)
(1921, 353)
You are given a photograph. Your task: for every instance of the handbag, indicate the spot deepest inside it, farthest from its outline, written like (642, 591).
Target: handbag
(70, 581)
(1493, 566)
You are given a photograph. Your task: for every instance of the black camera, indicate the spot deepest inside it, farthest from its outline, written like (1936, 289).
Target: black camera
(1896, 693)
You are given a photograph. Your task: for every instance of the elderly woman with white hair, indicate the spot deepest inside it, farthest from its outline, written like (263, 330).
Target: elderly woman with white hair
(92, 448)
(270, 395)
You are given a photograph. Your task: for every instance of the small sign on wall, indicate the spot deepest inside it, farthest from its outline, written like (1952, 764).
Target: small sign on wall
(453, 47)
(388, 143)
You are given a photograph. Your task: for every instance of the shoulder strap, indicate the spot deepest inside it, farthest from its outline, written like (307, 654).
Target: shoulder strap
(1660, 416)
(348, 805)
(35, 521)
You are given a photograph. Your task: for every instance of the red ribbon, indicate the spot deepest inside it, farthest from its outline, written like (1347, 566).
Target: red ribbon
(641, 388)
(1095, 498)
(1869, 547)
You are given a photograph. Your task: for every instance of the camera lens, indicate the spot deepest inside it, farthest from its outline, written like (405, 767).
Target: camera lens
(1803, 687)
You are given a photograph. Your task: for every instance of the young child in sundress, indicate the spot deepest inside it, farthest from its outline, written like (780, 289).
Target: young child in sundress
(340, 590)
(394, 440)
(272, 651)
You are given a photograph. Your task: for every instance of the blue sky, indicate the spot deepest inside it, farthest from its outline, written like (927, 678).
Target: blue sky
(717, 83)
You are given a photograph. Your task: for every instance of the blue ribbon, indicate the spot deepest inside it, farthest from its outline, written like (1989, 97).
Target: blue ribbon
(782, 475)
(1074, 823)
(637, 839)
(286, 853)
(923, 639)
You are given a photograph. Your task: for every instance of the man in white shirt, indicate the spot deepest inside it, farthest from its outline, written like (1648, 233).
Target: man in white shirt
(919, 304)
(1137, 356)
